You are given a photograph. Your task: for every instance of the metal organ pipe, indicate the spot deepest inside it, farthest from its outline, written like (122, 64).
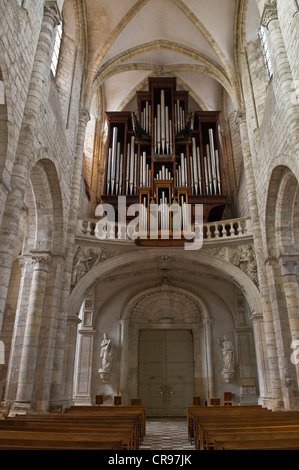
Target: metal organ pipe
(113, 157)
(162, 128)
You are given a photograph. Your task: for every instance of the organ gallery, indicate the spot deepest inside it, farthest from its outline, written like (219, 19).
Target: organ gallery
(149, 241)
(164, 155)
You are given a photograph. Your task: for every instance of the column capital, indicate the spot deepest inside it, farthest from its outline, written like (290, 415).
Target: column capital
(40, 260)
(288, 264)
(240, 116)
(51, 9)
(269, 13)
(84, 116)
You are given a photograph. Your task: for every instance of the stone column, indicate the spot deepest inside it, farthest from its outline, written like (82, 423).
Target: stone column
(62, 392)
(19, 328)
(261, 356)
(260, 257)
(82, 386)
(284, 85)
(38, 90)
(58, 374)
(211, 393)
(289, 266)
(32, 330)
(85, 354)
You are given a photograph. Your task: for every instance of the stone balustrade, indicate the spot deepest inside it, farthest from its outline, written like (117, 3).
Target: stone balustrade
(212, 231)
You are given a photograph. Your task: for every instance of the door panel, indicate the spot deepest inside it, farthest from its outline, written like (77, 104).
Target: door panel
(166, 371)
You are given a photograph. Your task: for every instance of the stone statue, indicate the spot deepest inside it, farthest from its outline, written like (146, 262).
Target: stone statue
(106, 353)
(228, 357)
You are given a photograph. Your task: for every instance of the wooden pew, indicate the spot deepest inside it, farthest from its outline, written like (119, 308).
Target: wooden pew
(196, 414)
(270, 444)
(112, 410)
(253, 434)
(57, 440)
(207, 423)
(127, 433)
(121, 426)
(121, 431)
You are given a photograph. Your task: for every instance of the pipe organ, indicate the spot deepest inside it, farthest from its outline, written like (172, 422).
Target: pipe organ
(164, 154)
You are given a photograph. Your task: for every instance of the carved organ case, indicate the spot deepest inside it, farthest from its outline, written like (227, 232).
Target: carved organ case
(164, 154)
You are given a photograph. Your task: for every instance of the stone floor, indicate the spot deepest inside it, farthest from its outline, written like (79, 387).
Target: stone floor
(166, 433)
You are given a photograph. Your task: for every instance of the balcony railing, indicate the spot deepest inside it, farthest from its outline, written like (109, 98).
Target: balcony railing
(212, 231)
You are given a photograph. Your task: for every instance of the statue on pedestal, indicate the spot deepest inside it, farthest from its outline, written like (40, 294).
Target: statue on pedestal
(228, 358)
(106, 356)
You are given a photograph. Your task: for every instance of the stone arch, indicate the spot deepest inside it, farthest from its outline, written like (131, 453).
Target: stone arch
(72, 52)
(44, 231)
(223, 267)
(164, 307)
(282, 212)
(169, 302)
(282, 248)
(125, 332)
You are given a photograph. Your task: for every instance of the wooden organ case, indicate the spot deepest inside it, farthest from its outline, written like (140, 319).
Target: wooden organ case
(164, 155)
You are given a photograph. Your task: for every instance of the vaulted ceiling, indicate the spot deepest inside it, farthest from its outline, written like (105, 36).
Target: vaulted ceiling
(194, 40)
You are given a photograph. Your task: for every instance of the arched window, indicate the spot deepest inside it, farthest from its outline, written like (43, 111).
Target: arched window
(263, 37)
(56, 51)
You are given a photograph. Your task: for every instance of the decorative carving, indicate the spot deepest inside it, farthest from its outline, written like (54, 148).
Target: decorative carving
(269, 13)
(51, 9)
(86, 258)
(40, 260)
(106, 356)
(84, 116)
(228, 358)
(217, 252)
(245, 259)
(164, 306)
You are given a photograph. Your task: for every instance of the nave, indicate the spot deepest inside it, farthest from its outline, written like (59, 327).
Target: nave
(166, 433)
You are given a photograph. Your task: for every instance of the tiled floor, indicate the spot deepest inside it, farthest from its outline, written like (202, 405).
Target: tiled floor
(166, 433)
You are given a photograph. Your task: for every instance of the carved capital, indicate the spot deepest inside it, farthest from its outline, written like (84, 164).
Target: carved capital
(84, 116)
(40, 260)
(288, 265)
(240, 117)
(269, 13)
(51, 9)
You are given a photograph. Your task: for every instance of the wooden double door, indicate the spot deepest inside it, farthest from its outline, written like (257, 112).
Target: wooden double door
(166, 371)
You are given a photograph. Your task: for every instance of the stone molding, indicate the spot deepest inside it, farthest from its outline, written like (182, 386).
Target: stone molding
(40, 260)
(51, 9)
(269, 13)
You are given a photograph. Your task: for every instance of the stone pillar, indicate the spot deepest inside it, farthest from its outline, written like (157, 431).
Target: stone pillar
(84, 354)
(261, 356)
(245, 356)
(289, 266)
(260, 257)
(18, 330)
(83, 376)
(38, 90)
(65, 331)
(33, 322)
(64, 389)
(284, 85)
(211, 391)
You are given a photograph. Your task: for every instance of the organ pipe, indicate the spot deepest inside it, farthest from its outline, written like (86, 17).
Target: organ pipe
(160, 120)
